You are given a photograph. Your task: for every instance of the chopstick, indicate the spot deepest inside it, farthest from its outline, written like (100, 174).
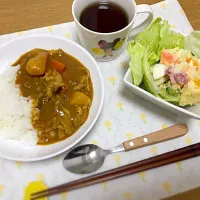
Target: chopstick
(150, 163)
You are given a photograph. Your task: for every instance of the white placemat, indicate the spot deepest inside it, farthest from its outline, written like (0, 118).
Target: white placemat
(123, 117)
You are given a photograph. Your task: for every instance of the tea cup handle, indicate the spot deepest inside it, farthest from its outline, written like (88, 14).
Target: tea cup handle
(143, 8)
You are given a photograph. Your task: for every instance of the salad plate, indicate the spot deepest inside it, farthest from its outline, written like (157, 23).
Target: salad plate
(165, 68)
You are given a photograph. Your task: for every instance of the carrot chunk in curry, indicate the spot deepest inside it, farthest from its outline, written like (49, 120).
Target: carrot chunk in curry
(60, 89)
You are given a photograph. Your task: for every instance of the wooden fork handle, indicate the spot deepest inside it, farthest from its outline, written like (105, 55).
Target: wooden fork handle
(156, 137)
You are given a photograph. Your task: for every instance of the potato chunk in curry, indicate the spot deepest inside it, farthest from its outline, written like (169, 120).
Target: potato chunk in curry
(60, 89)
(79, 98)
(37, 65)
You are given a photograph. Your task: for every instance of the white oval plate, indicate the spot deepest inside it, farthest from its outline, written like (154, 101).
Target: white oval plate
(9, 52)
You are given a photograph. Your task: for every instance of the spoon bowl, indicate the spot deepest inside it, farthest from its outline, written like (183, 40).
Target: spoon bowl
(85, 159)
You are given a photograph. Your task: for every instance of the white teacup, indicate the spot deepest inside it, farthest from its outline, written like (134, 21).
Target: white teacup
(90, 40)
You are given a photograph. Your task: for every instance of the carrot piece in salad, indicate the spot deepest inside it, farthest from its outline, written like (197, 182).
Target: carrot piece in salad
(188, 59)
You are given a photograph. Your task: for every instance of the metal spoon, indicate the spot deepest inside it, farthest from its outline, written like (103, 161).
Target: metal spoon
(89, 158)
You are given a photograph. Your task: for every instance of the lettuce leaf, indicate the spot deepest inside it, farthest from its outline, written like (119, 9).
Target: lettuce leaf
(169, 39)
(137, 48)
(148, 78)
(192, 43)
(164, 94)
(136, 52)
(150, 36)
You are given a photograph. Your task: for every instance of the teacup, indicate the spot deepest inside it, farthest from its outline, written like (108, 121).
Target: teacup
(92, 41)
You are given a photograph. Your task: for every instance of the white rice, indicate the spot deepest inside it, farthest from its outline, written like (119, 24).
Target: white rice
(15, 110)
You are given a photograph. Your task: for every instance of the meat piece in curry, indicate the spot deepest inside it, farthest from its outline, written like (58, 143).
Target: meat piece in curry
(60, 89)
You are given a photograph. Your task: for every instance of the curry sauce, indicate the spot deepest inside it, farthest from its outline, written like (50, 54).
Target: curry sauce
(60, 90)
